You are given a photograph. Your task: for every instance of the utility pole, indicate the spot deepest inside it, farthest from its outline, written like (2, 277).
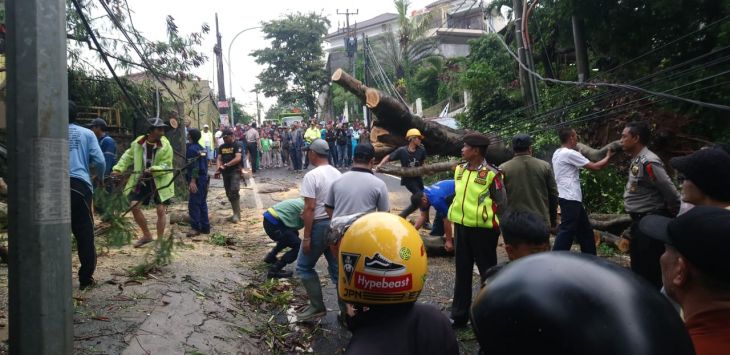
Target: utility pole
(258, 109)
(218, 50)
(522, 52)
(581, 53)
(366, 64)
(39, 215)
(350, 37)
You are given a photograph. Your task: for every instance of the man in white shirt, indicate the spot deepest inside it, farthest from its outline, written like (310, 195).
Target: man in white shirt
(315, 189)
(574, 223)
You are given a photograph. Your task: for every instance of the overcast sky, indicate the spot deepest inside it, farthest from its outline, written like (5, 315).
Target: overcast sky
(234, 16)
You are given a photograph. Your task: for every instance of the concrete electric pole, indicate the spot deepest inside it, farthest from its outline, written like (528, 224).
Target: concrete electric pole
(39, 215)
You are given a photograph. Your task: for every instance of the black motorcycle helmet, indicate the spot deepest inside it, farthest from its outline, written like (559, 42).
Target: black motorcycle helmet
(563, 303)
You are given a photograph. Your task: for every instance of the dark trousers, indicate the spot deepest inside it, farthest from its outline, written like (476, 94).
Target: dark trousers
(284, 237)
(645, 252)
(285, 156)
(341, 155)
(198, 208)
(333, 154)
(574, 225)
(232, 184)
(253, 148)
(296, 158)
(413, 185)
(472, 245)
(82, 227)
(306, 160)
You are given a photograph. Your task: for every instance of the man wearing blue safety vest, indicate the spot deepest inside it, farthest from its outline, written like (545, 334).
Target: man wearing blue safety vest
(478, 200)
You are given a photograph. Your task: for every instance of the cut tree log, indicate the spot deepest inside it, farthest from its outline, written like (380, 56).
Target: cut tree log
(424, 170)
(395, 117)
(597, 154)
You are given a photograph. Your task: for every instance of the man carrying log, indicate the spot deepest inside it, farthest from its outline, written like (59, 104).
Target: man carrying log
(410, 156)
(478, 200)
(150, 157)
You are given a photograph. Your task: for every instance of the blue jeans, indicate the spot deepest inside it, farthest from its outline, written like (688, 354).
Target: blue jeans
(306, 262)
(198, 208)
(574, 225)
(341, 155)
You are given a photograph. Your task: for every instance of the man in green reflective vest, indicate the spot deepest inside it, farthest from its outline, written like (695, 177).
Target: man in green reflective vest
(479, 198)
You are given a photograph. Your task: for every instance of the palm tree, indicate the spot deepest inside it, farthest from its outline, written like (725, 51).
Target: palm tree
(400, 53)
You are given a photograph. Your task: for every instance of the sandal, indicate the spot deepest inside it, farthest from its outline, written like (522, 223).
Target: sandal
(142, 242)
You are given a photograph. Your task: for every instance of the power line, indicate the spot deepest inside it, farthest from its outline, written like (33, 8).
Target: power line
(620, 86)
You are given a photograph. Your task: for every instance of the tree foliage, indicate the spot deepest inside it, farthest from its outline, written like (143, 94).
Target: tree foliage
(294, 68)
(401, 52)
(128, 51)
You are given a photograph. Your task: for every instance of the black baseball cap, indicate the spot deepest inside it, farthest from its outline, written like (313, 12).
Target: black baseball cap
(708, 169)
(702, 235)
(364, 152)
(521, 142)
(226, 132)
(98, 122)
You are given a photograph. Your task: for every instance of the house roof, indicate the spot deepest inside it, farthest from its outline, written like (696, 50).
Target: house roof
(377, 20)
(438, 3)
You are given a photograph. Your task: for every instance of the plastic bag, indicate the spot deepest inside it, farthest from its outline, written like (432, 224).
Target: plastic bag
(339, 225)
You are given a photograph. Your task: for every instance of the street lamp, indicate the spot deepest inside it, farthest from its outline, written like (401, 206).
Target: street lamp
(230, 74)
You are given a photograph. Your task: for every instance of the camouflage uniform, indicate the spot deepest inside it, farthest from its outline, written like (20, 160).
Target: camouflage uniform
(649, 190)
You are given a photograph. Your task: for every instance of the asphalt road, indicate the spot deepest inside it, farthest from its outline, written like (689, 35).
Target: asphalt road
(273, 185)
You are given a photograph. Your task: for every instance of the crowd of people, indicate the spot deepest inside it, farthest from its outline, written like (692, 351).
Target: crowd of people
(280, 146)
(538, 301)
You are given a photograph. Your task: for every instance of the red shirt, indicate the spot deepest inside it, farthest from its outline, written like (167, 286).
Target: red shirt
(710, 332)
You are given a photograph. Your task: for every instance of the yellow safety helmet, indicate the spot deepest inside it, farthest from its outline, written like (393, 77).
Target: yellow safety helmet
(382, 261)
(413, 132)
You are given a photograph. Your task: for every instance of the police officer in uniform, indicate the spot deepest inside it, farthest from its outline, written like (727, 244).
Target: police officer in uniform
(649, 191)
(479, 197)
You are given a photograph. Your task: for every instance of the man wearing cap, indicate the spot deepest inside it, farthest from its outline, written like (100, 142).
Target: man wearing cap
(315, 189)
(649, 191)
(252, 147)
(229, 158)
(371, 193)
(83, 148)
(196, 175)
(479, 197)
(207, 141)
(410, 156)
(700, 187)
(574, 223)
(530, 182)
(696, 272)
(107, 144)
(150, 157)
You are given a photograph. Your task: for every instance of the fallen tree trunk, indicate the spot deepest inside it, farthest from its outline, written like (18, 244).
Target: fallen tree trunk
(614, 223)
(424, 170)
(597, 154)
(395, 117)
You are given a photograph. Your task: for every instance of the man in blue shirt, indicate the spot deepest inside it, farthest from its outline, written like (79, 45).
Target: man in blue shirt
(438, 195)
(82, 149)
(108, 147)
(196, 176)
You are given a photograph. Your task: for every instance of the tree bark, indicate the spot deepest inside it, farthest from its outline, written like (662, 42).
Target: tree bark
(418, 171)
(597, 154)
(395, 117)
